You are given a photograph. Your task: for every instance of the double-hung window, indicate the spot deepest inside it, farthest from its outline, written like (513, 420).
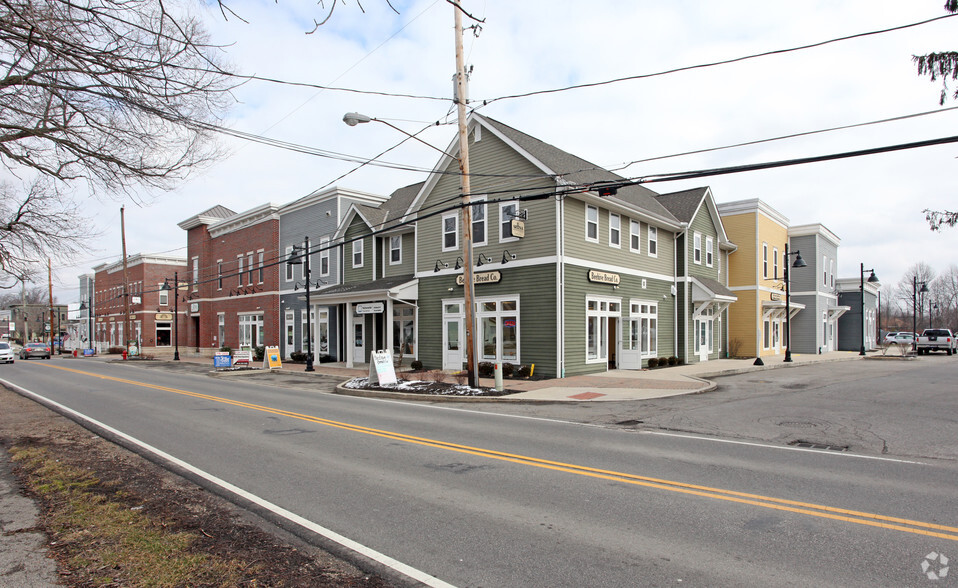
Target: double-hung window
(709, 251)
(219, 274)
(395, 249)
(765, 260)
(697, 249)
(775, 262)
(653, 241)
(591, 224)
(507, 212)
(239, 268)
(289, 266)
(324, 256)
(249, 266)
(615, 230)
(479, 222)
(450, 232)
(635, 237)
(358, 253)
(261, 254)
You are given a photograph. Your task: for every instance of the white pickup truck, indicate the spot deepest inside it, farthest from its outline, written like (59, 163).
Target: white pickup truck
(936, 340)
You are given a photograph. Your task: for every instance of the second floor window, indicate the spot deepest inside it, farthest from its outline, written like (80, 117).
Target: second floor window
(196, 272)
(775, 262)
(395, 249)
(615, 230)
(239, 269)
(219, 275)
(450, 232)
(358, 253)
(507, 212)
(709, 246)
(592, 224)
(697, 248)
(765, 260)
(635, 236)
(653, 241)
(261, 253)
(479, 223)
(324, 257)
(251, 270)
(164, 297)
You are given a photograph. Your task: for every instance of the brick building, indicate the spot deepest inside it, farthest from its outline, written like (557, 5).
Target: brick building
(151, 308)
(233, 272)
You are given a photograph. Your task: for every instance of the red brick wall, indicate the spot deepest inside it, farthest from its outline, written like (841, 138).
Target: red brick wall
(232, 298)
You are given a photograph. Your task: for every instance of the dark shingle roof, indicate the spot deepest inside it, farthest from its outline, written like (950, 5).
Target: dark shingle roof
(356, 288)
(393, 208)
(715, 286)
(683, 204)
(577, 170)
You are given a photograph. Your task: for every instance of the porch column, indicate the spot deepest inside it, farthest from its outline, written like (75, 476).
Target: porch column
(350, 335)
(387, 324)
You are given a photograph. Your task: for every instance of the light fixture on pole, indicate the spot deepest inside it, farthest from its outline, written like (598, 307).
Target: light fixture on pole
(354, 118)
(872, 279)
(176, 312)
(300, 255)
(799, 262)
(915, 290)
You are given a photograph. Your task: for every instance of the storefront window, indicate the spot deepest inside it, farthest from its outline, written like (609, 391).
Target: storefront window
(164, 334)
(643, 317)
(250, 330)
(498, 329)
(598, 313)
(403, 329)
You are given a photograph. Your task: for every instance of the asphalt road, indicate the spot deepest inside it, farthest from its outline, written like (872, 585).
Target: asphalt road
(477, 498)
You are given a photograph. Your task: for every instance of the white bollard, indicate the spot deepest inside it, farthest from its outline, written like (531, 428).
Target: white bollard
(499, 377)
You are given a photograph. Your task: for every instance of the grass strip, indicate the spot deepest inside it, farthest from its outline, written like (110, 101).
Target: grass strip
(108, 539)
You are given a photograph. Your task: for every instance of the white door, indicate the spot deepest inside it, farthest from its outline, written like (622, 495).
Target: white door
(359, 341)
(452, 343)
(630, 356)
(703, 340)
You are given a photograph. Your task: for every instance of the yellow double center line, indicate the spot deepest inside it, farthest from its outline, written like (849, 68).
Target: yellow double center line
(805, 508)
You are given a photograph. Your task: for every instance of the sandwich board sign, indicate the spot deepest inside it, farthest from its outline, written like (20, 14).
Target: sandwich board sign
(271, 358)
(381, 370)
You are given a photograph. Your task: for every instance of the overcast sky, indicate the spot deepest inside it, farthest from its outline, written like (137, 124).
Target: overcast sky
(874, 204)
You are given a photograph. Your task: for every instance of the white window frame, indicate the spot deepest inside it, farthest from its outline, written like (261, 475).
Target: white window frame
(499, 314)
(393, 240)
(697, 248)
(164, 297)
(615, 230)
(645, 314)
(709, 252)
(289, 328)
(635, 236)
(766, 333)
(454, 218)
(505, 221)
(483, 212)
(221, 329)
(357, 249)
(593, 210)
(775, 263)
(239, 269)
(324, 257)
(219, 274)
(250, 268)
(196, 273)
(765, 261)
(653, 241)
(824, 270)
(599, 317)
(261, 254)
(289, 266)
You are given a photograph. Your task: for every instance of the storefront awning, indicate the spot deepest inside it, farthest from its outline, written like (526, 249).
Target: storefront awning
(706, 292)
(404, 288)
(775, 309)
(836, 311)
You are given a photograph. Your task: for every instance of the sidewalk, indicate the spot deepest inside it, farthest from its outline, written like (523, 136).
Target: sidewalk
(614, 385)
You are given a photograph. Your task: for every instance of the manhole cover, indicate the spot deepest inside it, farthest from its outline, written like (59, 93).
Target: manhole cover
(810, 445)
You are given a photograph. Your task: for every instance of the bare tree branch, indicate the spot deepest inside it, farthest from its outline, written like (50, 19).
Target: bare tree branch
(106, 91)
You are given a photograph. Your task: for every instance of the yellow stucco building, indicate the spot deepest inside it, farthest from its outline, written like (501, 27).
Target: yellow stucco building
(755, 274)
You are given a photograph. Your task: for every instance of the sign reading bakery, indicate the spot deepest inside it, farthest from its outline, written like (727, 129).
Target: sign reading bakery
(604, 277)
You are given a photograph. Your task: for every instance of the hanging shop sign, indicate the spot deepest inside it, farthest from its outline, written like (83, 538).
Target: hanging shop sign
(604, 277)
(518, 228)
(481, 278)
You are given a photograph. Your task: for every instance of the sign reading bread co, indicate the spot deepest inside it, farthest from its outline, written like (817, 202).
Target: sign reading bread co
(481, 278)
(604, 277)
(164, 316)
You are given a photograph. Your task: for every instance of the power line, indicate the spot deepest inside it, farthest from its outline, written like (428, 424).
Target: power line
(712, 64)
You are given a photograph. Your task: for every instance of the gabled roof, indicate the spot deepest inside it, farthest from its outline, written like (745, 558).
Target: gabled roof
(683, 205)
(566, 167)
(389, 211)
(207, 217)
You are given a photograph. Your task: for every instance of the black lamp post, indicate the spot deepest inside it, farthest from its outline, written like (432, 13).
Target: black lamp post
(176, 313)
(799, 262)
(871, 280)
(295, 260)
(914, 305)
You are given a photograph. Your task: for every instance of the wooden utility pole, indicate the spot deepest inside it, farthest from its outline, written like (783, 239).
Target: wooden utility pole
(127, 327)
(465, 187)
(50, 285)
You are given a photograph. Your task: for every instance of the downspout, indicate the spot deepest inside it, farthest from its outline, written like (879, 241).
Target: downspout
(675, 278)
(560, 290)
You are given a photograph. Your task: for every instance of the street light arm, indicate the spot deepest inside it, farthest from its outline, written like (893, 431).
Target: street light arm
(354, 118)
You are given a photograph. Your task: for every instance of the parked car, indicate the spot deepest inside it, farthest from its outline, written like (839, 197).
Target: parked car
(936, 340)
(35, 350)
(890, 337)
(904, 338)
(6, 352)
